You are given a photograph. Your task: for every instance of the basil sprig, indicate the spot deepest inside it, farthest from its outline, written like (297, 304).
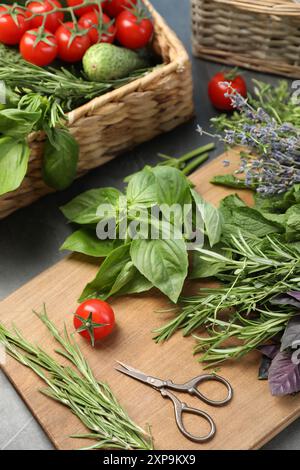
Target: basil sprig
(136, 264)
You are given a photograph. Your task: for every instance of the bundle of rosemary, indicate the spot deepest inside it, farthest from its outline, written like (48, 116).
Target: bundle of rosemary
(76, 387)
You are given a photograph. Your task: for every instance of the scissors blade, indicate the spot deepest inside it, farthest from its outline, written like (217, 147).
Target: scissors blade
(131, 372)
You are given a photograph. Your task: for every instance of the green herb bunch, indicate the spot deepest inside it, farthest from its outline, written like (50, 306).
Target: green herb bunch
(76, 387)
(135, 260)
(268, 128)
(256, 260)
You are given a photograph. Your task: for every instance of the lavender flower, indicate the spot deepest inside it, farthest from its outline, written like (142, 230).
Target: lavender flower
(272, 164)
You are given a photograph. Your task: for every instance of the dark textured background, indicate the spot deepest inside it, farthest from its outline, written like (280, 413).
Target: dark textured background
(30, 238)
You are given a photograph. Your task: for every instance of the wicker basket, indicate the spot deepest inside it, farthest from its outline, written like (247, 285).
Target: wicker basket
(261, 35)
(121, 119)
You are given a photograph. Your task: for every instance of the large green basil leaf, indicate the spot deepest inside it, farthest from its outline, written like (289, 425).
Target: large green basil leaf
(60, 159)
(17, 123)
(83, 208)
(107, 274)
(141, 188)
(163, 262)
(172, 186)
(13, 163)
(85, 241)
(211, 217)
(130, 281)
(202, 268)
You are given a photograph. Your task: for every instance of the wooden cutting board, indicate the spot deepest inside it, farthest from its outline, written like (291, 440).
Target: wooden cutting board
(253, 417)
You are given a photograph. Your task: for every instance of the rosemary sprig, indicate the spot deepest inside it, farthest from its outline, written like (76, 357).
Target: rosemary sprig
(68, 88)
(240, 311)
(77, 388)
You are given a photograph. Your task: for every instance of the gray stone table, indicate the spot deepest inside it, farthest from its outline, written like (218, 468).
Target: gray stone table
(29, 239)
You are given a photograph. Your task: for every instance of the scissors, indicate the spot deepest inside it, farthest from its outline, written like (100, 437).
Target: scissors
(190, 387)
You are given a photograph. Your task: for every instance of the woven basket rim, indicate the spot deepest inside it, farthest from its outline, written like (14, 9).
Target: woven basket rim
(273, 7)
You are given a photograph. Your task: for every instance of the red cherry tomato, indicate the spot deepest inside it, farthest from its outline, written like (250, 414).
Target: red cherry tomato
(97, 23)
(83, 10)
(41, 53)
(94, 319)
(132, 32)
(53, 20)
(71, 51)
(217, 89)
(114, 7)
(11, 31)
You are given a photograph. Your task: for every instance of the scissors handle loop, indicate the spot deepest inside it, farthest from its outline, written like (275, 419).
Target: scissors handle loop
(180, 408)
(191, 387)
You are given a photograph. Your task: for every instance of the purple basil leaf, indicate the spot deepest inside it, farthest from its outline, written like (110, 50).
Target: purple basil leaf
(263, 372)
(269, 350)
(291, 336)
(290, 298)
(284, 375)
(295, 294)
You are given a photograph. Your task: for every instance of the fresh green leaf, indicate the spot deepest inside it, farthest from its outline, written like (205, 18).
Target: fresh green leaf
(130, 281)
(163, 262)
(211, 217)
(172, 186)
(83, 208)
(60, 159)
(13, 163)
(246, 219)
(107, 274)
(230, 181)
(275, 204)
(85, 241)
(142, 188)
(16, 123)
(202, 268)
(293, 218)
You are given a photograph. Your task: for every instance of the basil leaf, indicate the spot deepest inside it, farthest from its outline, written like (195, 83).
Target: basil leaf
(163, 262)
(291, 335)
(172, 186)
(284, 375)
(83, 208)
(202, 268)
(17, 123)
(211, 217)
(85, 241)
(141, 188)
(13, 163)
(60, 159)
(130, 281)
(107, 274)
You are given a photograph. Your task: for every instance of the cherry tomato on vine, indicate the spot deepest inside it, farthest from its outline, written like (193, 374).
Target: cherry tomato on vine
(98, 23)
(83, 10)
(72, 42)
(133, 32)
(53, 20)
(217, 89)
(11, 30)
(41, 53)
(94, 319)
(114, 7)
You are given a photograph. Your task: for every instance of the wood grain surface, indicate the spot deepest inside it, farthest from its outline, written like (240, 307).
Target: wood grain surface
(251, 420)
